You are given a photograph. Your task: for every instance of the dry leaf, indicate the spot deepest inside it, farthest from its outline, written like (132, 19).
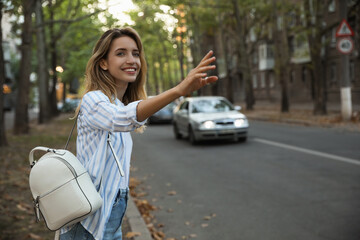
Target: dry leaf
(171, 193)
(187, 223)
(132, 234)
(207, 217)
(171, 239)
(193, 235)
(34, 236)
(170, 210)
(204, 225)
(22, 207)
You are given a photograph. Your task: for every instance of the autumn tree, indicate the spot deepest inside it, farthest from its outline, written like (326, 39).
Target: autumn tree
(244, 65)
(314, 11)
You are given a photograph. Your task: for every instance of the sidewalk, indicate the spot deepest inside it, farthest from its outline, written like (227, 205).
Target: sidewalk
(302, 114)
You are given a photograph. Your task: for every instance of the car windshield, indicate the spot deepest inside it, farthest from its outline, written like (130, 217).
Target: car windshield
(211, 106)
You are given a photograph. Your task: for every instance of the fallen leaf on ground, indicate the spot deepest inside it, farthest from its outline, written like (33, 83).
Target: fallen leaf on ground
(204, 225)
(171, 193)
(34, 236)
(132, 234)
(207, 217)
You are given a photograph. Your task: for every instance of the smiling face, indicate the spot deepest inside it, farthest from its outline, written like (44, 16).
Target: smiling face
(123, 61)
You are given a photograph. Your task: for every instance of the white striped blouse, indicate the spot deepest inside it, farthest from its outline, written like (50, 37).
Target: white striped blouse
(97, 117)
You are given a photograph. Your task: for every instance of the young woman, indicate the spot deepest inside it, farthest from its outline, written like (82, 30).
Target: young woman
(115, 103)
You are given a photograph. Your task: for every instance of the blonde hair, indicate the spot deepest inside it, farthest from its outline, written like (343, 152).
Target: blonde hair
(98, 79)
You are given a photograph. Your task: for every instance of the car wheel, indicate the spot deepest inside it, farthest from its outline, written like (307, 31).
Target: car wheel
(176, 132)
(192, 138)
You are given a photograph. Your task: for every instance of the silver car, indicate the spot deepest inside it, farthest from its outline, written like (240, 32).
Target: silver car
(208, 118)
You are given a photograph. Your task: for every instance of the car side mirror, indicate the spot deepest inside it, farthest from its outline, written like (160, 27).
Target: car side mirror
(237, 108)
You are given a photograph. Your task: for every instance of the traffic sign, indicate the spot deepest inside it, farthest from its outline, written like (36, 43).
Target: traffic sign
(344, 29)
(345, 45)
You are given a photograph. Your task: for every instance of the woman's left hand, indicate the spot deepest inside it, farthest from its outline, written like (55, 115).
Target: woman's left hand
(197, 77)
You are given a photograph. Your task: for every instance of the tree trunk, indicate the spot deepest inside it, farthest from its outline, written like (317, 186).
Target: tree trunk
(314, 40)
(3, 140)
(282, 56)
(53, 40)
(181, 59)
(21, 125)
(43, 76)
(243, 59)
(227, 63)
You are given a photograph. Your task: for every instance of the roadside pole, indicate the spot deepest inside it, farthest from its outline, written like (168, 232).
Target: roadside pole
(345, 46)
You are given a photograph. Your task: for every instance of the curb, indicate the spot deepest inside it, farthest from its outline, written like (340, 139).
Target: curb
(136, 221)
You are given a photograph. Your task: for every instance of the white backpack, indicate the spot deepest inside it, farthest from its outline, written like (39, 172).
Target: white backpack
(62, 189)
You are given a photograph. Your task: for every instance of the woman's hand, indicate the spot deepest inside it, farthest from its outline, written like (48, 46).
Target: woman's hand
(194, 80)
(197, 77)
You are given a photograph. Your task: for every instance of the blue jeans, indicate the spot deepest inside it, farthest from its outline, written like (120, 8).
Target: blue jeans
(113, 227)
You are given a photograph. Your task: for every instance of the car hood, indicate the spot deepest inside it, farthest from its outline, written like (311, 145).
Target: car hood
(201, 117)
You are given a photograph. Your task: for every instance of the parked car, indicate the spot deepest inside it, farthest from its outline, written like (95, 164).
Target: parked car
(164, 115)
(209, 118)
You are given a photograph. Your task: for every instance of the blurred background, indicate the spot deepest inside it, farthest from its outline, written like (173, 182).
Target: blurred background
(292, 67)
(277, 51)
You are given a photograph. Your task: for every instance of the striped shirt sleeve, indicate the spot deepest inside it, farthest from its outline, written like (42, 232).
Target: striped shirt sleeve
(104, 115)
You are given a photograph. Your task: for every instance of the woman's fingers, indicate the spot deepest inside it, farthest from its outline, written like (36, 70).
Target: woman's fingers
(208, 55)
(206, 62)
(206, 68)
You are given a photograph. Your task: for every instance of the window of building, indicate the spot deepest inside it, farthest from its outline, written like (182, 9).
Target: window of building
(333, 73)
(292, 19)
(271, 80)
(332, 6)
(279, 23)
(262, 80)
(292, 76)
(255, 57)
(291, 44)
(304, 74)
(270, 52)
(262, 51)
(254, 78)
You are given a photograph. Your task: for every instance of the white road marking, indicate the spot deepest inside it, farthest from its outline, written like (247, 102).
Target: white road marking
(313, 152)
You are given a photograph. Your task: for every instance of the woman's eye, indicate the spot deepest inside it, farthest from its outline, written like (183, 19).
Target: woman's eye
(120, 54)
(136, 54)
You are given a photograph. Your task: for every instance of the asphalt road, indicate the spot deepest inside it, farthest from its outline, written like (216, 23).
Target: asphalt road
(285, 182)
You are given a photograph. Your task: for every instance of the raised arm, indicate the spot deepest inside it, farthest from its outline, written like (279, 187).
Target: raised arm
(196, 79)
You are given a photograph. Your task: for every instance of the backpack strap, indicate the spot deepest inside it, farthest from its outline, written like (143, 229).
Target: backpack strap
(108, 141)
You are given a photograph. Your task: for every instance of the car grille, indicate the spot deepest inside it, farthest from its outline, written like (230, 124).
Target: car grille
(224, 122)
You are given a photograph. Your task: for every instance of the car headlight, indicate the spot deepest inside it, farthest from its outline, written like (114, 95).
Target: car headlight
(208, 125)
(239, 122)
